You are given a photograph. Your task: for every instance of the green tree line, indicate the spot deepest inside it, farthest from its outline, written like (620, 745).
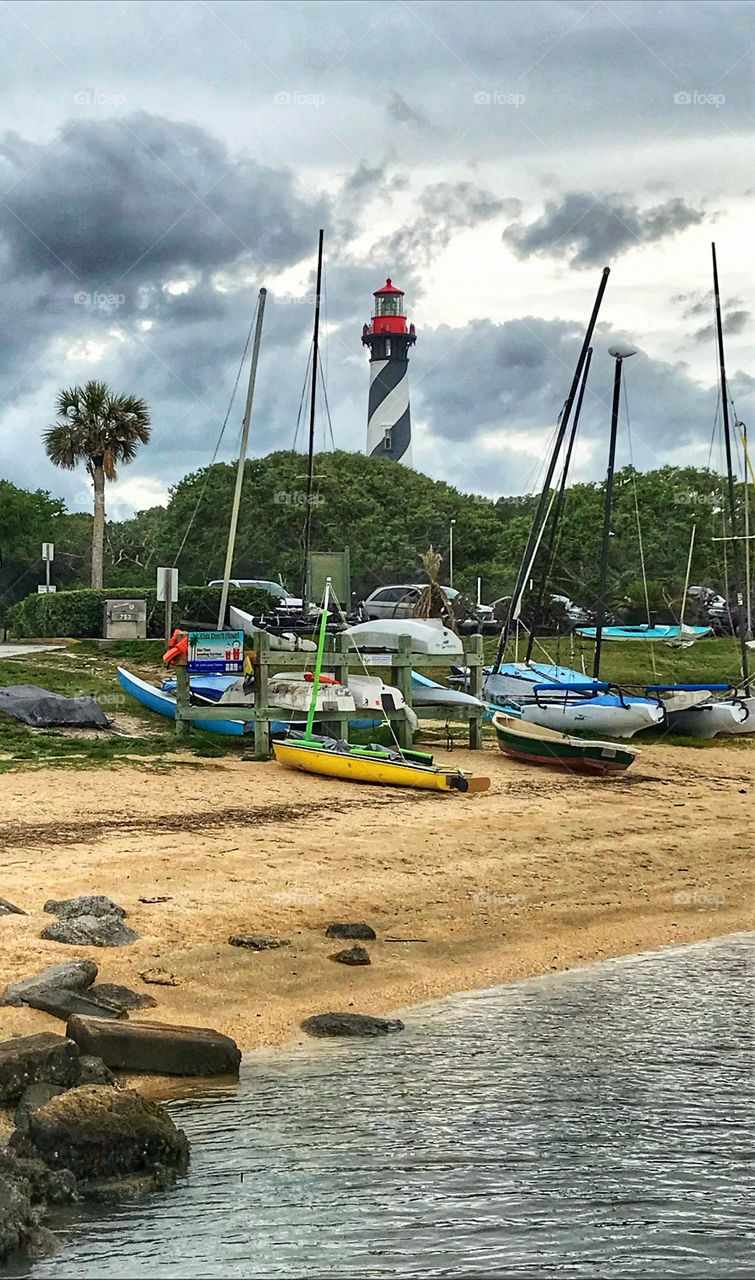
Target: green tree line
(386, 514)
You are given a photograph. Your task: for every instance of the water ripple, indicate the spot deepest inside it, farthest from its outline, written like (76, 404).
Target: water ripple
(580, 1124)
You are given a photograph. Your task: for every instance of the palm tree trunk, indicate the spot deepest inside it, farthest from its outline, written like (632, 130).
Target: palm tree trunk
(98, 528)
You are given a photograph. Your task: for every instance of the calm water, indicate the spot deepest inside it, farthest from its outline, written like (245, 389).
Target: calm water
(591, 1123)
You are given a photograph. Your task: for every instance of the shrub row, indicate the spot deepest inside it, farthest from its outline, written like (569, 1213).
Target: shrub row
(80, 613)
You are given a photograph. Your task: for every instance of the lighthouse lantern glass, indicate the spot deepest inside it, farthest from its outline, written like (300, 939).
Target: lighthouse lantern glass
(389, 304)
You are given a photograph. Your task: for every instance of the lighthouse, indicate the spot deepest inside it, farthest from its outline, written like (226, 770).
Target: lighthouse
(389, 432)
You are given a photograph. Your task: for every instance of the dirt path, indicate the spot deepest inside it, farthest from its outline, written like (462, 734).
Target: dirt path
(543, 872)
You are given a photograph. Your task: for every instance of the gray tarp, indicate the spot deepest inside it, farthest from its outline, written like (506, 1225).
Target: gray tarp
(42, 709)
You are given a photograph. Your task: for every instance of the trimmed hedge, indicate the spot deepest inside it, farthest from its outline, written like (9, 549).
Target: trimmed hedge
(80, 613)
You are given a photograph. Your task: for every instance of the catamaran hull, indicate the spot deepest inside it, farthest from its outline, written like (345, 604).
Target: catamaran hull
(606, 715)
(593, 717)
(715, 718)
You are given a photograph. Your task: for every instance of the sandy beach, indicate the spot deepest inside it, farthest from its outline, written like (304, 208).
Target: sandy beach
(543, 872)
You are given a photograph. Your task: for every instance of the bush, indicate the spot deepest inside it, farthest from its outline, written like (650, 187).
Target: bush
(80, 613)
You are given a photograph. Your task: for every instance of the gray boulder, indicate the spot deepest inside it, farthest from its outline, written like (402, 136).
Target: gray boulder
(61, 1004)
(350, 1024)
(352, 955)
(74, 975)
(90, 904)
(44, 1058)
(360, 932)
(99, 1133)
(90, 931)
(156, 1047)
(122, 998)
(26, 1188)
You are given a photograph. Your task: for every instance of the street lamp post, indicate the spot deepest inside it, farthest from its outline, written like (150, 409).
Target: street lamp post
(451, 553)
(620, 353)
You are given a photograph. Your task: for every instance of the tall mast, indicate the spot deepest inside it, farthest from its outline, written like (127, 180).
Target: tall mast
(620, 354)
(311, 448)
(231, 547)
(550, 551)
(737, 555)
(536, 532)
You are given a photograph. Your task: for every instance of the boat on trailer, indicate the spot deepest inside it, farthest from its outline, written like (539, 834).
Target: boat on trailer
(535, 744)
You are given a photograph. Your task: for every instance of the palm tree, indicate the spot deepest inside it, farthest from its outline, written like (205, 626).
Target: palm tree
(101, 430)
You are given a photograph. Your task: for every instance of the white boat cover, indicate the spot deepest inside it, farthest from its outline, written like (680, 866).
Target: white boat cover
(428, 635)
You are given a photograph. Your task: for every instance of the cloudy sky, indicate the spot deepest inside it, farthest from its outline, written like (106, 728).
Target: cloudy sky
(162, 161)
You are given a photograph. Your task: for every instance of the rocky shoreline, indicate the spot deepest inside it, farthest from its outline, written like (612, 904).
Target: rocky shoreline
(76, 1135)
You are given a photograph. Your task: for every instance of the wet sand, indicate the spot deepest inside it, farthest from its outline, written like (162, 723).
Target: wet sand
(543, 872)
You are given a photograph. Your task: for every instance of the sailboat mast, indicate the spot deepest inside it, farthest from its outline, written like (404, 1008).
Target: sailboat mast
(231, 547)
(550, 551)
(311, 445)
(536, 531)
(738, 576)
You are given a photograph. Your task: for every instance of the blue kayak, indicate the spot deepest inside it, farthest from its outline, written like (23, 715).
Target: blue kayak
(645, 632)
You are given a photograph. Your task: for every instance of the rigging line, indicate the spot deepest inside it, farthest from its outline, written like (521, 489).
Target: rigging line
(327, 411)
(303, 397)
(220, 437)
(639, 525)
(360, 655)
(714, 432)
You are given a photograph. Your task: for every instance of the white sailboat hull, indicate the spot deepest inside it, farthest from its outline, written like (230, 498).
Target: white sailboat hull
(593, 717)
(714, 718)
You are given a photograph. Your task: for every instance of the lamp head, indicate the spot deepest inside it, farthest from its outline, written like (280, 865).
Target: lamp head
(622, 351)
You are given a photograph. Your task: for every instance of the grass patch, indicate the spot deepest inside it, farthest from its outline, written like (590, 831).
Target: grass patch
(86, 668)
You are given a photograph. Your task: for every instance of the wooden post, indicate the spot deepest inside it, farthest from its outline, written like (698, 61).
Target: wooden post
(342, 668)
(262, 749)
(402, 665)
(183, 698)
(475, 688)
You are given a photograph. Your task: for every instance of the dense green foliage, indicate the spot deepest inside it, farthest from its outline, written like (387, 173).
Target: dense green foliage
(80, 613)
(386, 514)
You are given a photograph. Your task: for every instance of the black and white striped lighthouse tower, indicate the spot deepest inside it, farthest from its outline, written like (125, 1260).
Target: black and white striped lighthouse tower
(389, 431)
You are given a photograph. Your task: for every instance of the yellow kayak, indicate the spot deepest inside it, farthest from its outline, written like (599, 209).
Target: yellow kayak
(359, 766)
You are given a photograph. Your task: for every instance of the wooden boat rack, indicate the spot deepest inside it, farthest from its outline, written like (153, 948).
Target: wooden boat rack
(341, 658)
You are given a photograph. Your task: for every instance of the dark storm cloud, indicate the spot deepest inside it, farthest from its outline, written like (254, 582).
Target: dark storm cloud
(733, 322)
(514, 376)
(735, 314)
(117, 197)
(590, 230)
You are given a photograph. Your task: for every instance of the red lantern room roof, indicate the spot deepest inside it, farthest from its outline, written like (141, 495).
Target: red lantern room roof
(388, 287)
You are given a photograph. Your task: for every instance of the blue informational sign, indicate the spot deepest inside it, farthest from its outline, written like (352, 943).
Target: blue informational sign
(218, 653)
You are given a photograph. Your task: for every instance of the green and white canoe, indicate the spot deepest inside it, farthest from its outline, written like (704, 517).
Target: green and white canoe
(535, 744)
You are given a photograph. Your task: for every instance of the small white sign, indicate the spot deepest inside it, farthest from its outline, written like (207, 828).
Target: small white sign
(48, 550)
(43, 590)
(167, 585)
